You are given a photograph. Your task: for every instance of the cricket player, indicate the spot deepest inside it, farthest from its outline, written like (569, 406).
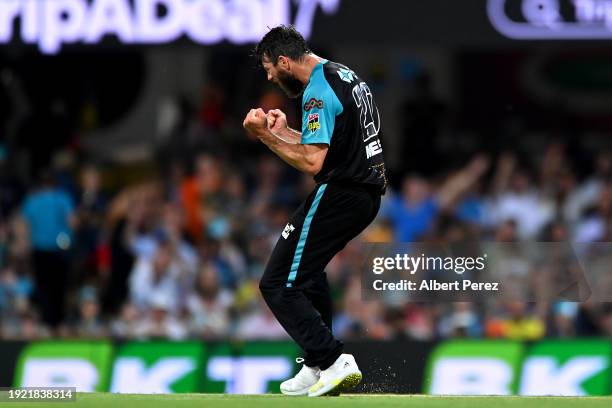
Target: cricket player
(339, 145)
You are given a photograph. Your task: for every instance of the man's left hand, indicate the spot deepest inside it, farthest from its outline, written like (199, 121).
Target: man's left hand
(255, 122)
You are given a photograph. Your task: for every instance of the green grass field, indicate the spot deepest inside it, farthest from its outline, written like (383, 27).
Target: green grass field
(105, 400)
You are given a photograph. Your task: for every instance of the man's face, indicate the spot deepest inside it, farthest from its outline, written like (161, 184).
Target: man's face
(281, 75)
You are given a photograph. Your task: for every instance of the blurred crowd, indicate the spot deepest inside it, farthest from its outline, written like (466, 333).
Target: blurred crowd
(181, 258)
(90, 251)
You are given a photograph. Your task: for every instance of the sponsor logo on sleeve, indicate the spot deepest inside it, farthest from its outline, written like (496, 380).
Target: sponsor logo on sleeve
(313, 103)
(313, 122)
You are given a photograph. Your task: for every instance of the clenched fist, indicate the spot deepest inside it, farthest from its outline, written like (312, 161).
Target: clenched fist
(277, 120)
(255, 122)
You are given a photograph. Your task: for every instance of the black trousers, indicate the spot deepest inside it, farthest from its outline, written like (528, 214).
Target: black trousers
(294, 284)
(51, 280)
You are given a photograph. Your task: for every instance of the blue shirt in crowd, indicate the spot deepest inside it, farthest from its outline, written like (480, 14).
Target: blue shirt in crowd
(410, 222)
(47, 213)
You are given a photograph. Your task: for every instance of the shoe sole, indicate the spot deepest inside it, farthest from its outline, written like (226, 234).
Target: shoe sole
(301, 393)
(347, 383)
(332, 393)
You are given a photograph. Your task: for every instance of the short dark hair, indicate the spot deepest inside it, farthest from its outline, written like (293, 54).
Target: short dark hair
(281, 40)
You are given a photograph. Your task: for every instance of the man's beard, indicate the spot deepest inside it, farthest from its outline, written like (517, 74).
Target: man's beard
(290, 84)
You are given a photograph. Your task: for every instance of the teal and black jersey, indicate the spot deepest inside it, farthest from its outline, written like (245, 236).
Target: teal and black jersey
(338, 109)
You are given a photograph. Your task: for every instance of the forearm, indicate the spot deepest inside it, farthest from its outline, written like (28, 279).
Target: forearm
(453, 188)
(288, 135)
(294, 154)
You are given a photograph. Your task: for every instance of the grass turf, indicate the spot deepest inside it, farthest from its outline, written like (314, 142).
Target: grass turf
(106, 400)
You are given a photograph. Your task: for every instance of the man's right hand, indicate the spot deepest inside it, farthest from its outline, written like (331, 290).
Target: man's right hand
(277, 121)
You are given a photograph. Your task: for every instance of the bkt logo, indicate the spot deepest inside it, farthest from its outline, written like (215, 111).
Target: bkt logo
(552, 19)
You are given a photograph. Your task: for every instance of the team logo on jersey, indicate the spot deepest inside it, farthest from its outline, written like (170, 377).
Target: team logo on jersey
(346, 75)
(313, 103)
(289, 228)
(313, 122)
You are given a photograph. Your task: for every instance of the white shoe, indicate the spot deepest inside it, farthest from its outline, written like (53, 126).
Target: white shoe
(303, 380)
(341, 376)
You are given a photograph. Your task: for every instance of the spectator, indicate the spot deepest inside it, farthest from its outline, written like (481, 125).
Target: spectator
(358, 319)
(49, 215)
(26, 326)
(124, 326)
(463, 321)
(89, 323)
(595, 222)
(169, 231)
(564, 319)
(15, 290)
(202, 196)
(414, 212)
(89, 214)
(517, 199)
(517, 322)
(159, 321)
(156, 278)
(584, 196)
(114, 254)
(260, 324)
(209, 306)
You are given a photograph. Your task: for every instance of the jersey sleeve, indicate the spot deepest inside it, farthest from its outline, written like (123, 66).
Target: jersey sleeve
(319, 110)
